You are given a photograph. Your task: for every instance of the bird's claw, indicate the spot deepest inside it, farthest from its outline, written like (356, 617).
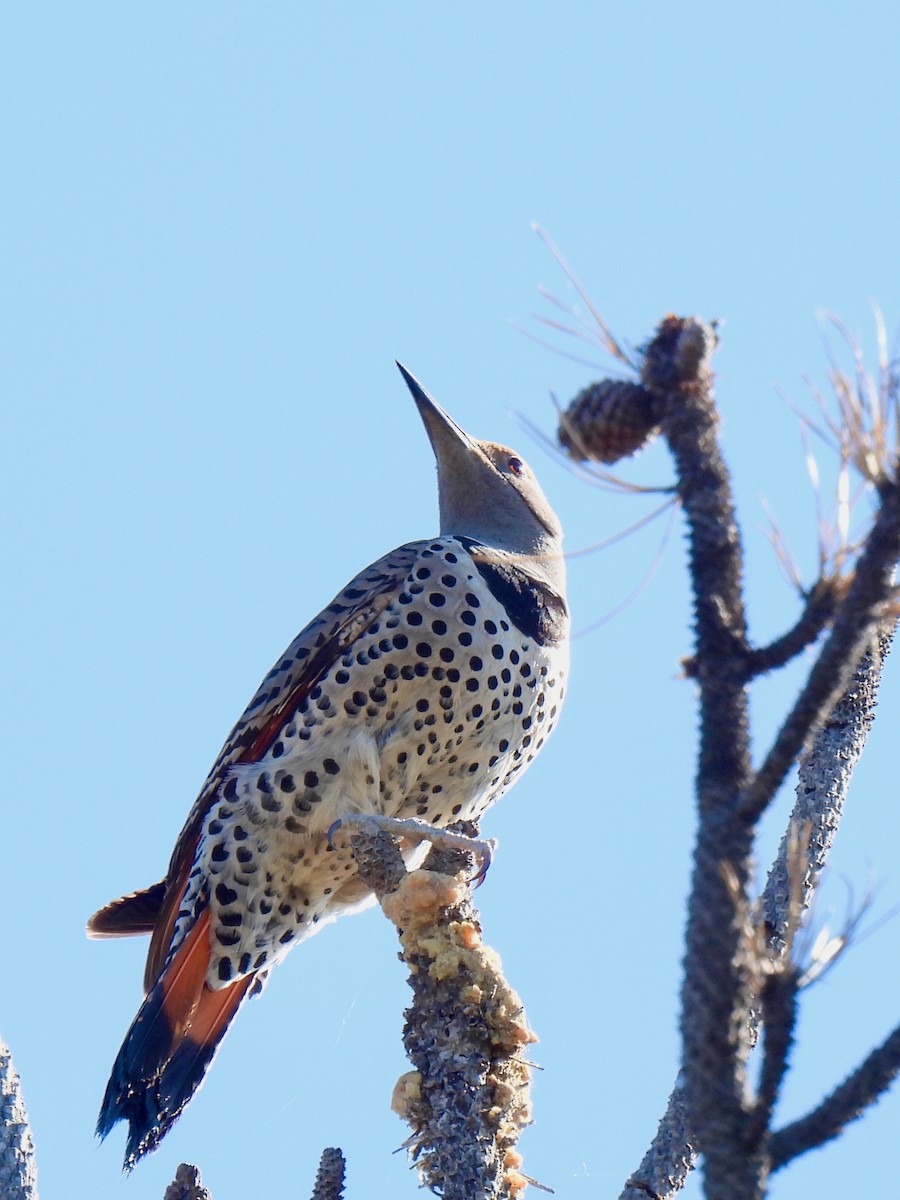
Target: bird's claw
(413, 831)
(482, 850)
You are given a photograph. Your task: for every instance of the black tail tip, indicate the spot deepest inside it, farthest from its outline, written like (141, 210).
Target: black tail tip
(144, 1132)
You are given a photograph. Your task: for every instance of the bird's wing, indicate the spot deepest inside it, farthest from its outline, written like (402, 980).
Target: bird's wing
(296, 673)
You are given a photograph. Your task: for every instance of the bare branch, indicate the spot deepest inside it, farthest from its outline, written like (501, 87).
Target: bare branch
(858, 616)
(18, 1170)
(670, 1159)
(736, 967)
(467, 1099)
(330, 1176)
(187, 1185)
(817, 612)
(823, 782)
(778, 1002)
(716, 990)
(862, 1088)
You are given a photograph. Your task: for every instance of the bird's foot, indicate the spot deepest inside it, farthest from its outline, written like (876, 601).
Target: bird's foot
(414, 832)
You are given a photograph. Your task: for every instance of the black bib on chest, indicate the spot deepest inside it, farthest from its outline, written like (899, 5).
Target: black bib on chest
(532, 605)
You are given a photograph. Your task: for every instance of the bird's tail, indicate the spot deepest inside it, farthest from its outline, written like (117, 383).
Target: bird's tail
(170, 1045)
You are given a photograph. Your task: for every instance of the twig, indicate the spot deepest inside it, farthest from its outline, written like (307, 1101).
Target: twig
(862, 1088)
(18, 1169)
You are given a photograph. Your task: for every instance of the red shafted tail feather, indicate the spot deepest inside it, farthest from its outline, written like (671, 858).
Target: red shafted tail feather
(170, 1045)
(130, 915)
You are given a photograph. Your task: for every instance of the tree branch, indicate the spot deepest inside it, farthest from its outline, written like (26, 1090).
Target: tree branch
(670, 1158)
(858, 616)
(467, 1099)
(716, 989)
(187, 1185)
(734, 970)
(822, 786)
(862, 1088)
(824, 780)
(330, 1176)
(18, 1169)
(817, 612)
(778, 1004)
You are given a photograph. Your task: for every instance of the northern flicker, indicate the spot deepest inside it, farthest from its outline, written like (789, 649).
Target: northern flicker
(422, 691)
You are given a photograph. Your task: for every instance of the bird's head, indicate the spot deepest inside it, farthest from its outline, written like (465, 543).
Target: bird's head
(486, 491)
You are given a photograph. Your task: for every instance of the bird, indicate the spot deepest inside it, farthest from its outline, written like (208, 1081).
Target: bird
(420, 693)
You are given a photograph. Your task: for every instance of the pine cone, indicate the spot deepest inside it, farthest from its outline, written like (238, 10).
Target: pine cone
(608, 421)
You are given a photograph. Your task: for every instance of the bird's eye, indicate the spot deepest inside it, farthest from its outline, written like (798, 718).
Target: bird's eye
(515, 466)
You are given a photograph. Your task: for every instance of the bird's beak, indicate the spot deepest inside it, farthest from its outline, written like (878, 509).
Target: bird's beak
(446, 437)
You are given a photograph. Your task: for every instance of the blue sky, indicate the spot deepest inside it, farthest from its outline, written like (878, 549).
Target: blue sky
(221, 225)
